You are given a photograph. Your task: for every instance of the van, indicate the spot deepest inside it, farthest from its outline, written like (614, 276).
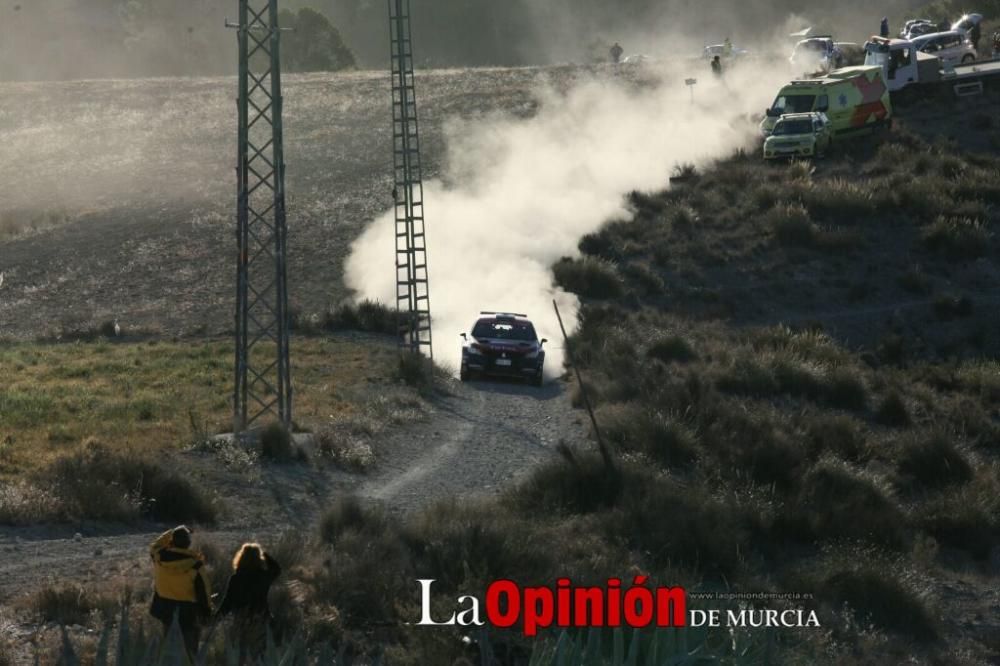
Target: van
(953, 48)
(855, 99)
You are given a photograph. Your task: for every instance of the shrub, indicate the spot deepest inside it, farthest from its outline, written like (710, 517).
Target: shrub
(632, 427)
(588, 277)
(25, 503)
(580, 483)
(679, 524)
(892, 411)
(915, 281)
(933, 462)
(845, 388)
(600, 244)
(791, 225)
(348, 514)
(368, 316)
(748, 444)
(276, 443)
(71, 603)
(463, 545)
(99, 484)
(956, 238)
(836, 503)
(838, 434)
(416, 370)
(877, 597)
(348, 452)
(948, 307)
(672, 348)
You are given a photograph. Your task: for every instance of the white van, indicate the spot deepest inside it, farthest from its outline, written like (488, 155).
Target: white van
(952, 47)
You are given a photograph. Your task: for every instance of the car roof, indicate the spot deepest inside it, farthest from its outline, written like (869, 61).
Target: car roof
(933, 35)
(799, 116)
(503, 316)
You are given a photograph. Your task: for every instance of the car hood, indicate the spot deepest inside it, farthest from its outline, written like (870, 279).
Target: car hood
(790, 138)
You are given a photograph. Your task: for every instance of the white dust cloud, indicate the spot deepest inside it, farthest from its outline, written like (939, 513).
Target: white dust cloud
(523, 192)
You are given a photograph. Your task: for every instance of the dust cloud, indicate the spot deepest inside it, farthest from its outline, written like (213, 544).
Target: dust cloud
(521, 193)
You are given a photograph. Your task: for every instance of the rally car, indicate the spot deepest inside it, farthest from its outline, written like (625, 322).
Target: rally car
(503, 344)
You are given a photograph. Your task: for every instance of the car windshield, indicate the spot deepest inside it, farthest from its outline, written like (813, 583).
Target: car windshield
(794, 103)
(798, 126)
(505, 330)
(817, 47)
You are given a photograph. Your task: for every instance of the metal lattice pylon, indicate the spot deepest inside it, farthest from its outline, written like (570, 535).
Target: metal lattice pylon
(412, 285)
(263, 382)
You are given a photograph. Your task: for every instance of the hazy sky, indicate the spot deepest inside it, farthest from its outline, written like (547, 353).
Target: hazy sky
(65, 39)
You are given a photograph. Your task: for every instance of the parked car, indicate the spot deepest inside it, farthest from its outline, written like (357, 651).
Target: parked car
(918, 28)
(638, 59)
(816, 54)
(503, 344)
(799, 135)
(912, 22)
(710, 52)
(953, 47)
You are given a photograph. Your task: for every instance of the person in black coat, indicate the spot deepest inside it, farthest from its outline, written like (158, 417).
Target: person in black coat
(246, 597)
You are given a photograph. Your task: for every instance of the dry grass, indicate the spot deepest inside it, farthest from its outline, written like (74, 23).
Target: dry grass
(158, 395)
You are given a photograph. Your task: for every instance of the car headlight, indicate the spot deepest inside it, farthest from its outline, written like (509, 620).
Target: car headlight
(474, 350)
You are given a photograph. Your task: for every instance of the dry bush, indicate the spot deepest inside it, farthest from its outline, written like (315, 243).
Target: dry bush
(369, 316)
(672, 348)
(957, 238)
(633, 427)
(588, 277)
(835, 502)
(877, 597)
(72, 603)
(23, 503)
(892, 410)
(100, 484)
(578, 484)
(276, 444)
(932, 461)
(348, 514)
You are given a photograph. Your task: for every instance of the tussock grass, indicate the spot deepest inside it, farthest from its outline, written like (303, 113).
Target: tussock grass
(672, 348)
(587, 276)
(836, 502)
(369, 316)
(892, 410)
(877, 597)
(99, 483)
(932, 461)
(71, 603)
(957, 238)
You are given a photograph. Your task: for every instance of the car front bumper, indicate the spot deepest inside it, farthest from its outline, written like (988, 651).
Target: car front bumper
(511, 366)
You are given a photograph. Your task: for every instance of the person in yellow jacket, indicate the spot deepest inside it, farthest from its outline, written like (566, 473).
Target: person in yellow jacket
(181, 589)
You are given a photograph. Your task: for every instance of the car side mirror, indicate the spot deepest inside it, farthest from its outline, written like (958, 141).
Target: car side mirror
(544, 340)
(464, 336)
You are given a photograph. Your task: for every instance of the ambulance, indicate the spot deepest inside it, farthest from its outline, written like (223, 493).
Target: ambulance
(854, 99)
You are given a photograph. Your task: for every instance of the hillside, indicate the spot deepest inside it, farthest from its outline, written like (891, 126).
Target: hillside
(794, 366)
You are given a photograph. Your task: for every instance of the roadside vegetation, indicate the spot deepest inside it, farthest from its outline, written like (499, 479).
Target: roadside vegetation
(97, 428)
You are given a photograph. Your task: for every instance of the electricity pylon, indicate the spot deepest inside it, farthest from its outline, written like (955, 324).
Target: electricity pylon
(263, 380)
(412, 285)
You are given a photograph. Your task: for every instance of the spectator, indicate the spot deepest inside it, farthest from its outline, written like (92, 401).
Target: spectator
(246, 598)
(180, 590)
(616, 53)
